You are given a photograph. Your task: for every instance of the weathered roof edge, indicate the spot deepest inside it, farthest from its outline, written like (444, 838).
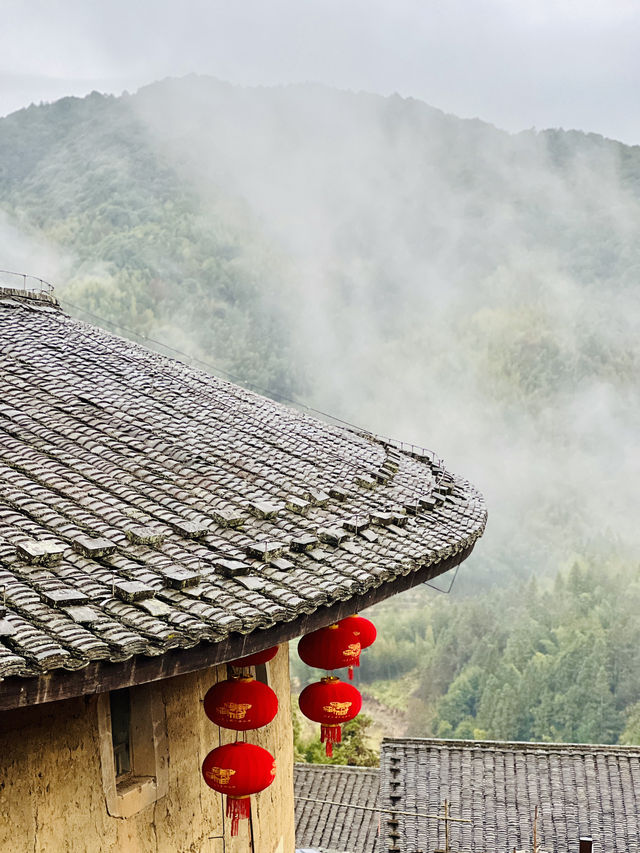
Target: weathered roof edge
(35, 295)
(337, 768)
(100, 677)
(509, 746)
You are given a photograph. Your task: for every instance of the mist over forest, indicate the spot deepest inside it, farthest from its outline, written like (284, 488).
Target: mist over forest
(429, 278)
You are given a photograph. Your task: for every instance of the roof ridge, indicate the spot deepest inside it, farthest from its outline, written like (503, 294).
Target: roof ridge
(29, 295)
(505, 745)
(335, 767)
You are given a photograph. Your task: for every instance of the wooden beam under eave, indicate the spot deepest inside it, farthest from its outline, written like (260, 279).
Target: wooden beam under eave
(100, 677)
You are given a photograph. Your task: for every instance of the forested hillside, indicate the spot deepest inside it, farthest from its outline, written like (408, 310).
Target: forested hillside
(434, 279)
(136, 242)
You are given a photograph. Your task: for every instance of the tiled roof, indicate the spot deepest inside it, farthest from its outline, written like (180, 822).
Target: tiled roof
(147, 506)
(323, 826)
(580, 790)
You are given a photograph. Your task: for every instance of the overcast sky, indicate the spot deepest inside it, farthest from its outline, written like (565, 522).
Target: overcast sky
(515, 63)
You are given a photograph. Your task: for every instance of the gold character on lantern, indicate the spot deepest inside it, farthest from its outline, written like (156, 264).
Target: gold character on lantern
(234, 710)
(221, 775)
(338, 709)
(353, 650)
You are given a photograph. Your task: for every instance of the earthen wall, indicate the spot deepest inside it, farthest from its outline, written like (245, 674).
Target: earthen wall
(52, 797)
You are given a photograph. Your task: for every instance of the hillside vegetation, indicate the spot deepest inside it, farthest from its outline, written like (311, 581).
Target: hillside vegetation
(136, 243)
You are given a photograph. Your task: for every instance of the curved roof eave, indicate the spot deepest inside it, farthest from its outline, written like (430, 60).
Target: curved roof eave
(148, 508)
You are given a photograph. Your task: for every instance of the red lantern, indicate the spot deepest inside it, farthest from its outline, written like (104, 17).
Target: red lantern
(330, 648)
(258, 658)
(364, 630)
(330, 702)
(238, 770)
(241, 703)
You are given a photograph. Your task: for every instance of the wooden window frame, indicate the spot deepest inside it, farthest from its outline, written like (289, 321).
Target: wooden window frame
(262, 673)
(148, 780)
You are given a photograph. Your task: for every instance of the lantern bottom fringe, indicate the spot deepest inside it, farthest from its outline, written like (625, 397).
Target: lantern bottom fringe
(237, 807)
(351, 666)
(330, 735)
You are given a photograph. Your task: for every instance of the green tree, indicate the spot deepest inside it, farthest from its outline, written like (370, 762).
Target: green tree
(354, 748)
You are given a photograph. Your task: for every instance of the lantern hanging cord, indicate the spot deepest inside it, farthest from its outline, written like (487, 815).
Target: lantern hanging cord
(383, 811)
(223, 836)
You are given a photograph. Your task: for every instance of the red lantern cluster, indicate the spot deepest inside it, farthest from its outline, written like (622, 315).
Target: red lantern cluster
(330, 701)
(240, 769)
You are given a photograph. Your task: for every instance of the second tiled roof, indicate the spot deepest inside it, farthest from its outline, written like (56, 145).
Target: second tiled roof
(336, 807)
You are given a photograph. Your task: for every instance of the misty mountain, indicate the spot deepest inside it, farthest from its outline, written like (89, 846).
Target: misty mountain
(431, 278)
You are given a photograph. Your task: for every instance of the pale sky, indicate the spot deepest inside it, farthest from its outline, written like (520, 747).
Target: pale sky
(515, 63)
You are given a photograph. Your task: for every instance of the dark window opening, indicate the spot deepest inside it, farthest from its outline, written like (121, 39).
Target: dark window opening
(120, 701)
(262, 674)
